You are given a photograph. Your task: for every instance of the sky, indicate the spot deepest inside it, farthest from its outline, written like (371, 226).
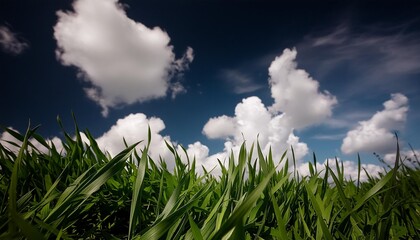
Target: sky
(327, 77)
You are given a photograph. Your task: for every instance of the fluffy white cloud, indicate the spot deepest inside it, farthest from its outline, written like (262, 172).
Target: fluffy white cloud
(220, 127)
(123, 61)
(376, 134)
(297, 94)
(297, 104)
(350, 169)
(196, 151)
(253, 121)
(10, 42)
(134, 128)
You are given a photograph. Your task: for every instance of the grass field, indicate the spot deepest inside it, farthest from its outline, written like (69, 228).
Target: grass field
(85, 194)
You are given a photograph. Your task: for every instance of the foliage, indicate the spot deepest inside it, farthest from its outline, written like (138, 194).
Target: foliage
(84, 193)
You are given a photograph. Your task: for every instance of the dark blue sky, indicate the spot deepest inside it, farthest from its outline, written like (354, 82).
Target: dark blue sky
(361, 53)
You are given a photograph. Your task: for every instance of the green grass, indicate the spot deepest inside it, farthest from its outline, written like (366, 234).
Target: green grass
(85, 194)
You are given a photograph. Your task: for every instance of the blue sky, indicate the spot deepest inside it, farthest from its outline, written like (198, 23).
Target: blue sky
(327, 77)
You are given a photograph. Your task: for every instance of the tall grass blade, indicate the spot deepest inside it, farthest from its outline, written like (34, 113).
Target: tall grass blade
(240, 211)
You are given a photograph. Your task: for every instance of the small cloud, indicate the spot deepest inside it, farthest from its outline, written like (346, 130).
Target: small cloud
(183, 63)
(220, 127)
(176, 89)
(240, 82)
(376, 133)
(11, 42)
(329, 136)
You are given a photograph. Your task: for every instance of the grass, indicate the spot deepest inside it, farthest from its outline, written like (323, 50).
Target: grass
(85, 194)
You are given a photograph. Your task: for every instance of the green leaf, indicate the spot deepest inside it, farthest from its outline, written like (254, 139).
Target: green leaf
(319, 213)
(240, 211)
(136, 199)
(194, 228)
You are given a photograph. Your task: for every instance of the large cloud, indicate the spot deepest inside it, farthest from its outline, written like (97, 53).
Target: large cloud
(124, 61)
(11, 42)
(376, 133)
(298, 103)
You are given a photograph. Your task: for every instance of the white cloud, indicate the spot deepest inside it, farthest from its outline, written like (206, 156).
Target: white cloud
(298, 103)
(196, 151)
(331, 137)
(350, 169)
(252, 119)
(123, 61)
(240, 82)
(220, 127)
(297, 94)
(376, 134)
(11, 42)
(134, 128)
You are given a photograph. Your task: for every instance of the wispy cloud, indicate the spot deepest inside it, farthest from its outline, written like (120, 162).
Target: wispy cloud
(375, 57)
(11, 42)
(346, 120)
(331, 137)
(240, 82)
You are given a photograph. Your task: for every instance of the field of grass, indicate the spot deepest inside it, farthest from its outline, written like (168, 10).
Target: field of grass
(85, 194)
